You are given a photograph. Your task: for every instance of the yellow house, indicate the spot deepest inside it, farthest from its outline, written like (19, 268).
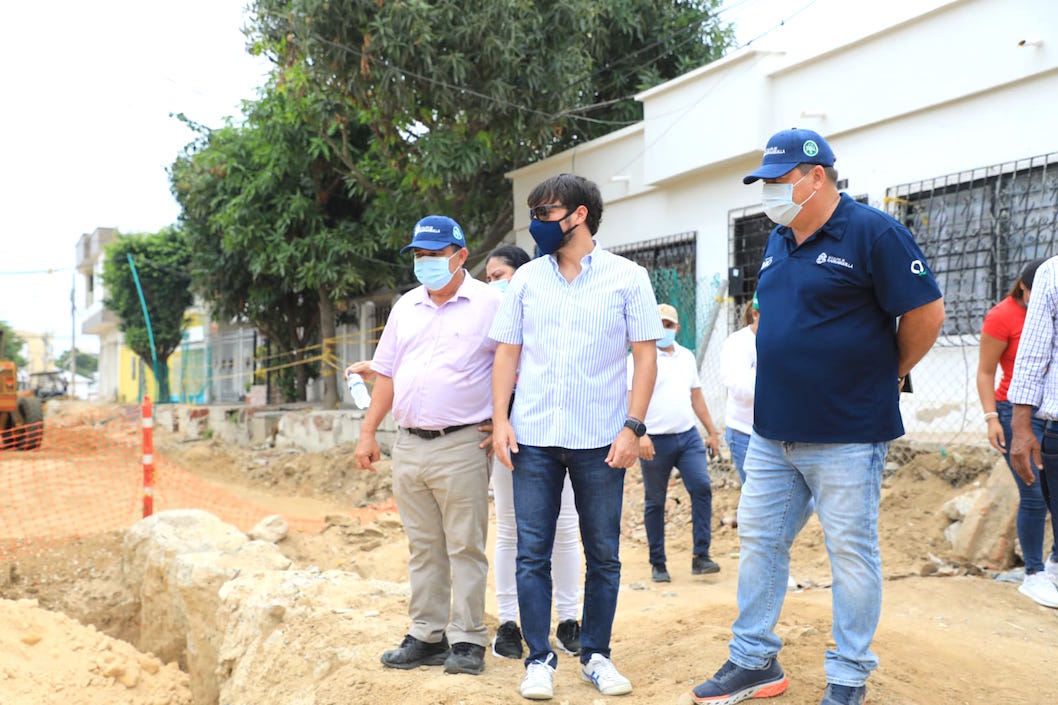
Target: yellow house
(188, 369)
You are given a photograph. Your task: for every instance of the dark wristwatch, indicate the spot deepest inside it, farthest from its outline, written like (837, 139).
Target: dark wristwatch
(638, 427)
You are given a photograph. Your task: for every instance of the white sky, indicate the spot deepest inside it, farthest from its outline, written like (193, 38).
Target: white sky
(86, 131)
(87, 134)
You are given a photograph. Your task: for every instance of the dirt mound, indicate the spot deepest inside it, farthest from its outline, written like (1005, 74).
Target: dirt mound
(666, 637)
(329, 475)
(46, 658)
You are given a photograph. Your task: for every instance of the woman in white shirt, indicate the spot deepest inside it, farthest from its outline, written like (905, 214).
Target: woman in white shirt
(738, 371)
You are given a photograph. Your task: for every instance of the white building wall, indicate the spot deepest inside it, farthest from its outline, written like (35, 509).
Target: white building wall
(906, 92)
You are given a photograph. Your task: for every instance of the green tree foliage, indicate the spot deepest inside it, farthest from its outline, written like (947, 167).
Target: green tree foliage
(162, 260)
(276, 234)
(87, 363)
(12, 347)
(456, 93)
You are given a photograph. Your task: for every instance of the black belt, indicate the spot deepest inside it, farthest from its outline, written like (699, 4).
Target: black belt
(430, 434)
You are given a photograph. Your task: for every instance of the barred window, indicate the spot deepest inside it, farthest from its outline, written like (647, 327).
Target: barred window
(671, 263)
(749, 236)
(978, 228)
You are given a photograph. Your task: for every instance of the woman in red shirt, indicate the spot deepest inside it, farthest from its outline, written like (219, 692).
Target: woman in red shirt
(1000, 334)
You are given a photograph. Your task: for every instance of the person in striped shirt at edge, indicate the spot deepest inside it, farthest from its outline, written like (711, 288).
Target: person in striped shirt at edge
(1035, 385)
(566, 322)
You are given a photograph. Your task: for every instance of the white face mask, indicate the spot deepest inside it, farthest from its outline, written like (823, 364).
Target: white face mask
(778, 201)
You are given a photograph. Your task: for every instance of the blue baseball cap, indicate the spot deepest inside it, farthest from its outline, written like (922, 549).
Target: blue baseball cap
(436, 232)
(789, 148)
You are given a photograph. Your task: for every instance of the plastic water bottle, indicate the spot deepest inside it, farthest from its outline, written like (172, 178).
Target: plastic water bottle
(358, 390)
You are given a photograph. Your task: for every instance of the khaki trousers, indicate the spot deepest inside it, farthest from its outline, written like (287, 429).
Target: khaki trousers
(441, 489)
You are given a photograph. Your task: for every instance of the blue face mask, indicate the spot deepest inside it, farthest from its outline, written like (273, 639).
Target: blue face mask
(500, 284)
(548, 234)
(433, 272)
(668, 337)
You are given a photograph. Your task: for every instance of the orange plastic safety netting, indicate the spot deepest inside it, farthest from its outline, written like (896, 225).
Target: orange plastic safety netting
(87, 477)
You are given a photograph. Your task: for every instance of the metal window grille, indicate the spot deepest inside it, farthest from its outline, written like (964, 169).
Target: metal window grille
(749, 229)
(978, 228)
(671, 263)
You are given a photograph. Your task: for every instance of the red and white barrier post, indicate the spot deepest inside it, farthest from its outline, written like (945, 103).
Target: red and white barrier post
(148, 458)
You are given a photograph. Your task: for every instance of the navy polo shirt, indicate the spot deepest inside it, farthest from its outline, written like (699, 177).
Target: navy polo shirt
(826, 343)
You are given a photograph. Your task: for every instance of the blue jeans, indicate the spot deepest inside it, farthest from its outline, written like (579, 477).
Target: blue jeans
(781, 480)
(1032, 505)
(1049, 477)
(685, 451)
(598, 491)
(738, 442)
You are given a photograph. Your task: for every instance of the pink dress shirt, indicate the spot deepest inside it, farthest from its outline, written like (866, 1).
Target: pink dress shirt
(440, 357)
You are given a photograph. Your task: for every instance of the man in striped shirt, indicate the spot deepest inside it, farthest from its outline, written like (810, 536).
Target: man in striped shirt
(1034, 384)
(564, 328)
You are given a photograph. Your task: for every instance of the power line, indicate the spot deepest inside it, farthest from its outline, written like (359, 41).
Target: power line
(685, 111)
(50, 270)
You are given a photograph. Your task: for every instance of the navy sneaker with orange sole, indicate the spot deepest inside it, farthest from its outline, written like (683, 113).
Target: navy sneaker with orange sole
(733, 684)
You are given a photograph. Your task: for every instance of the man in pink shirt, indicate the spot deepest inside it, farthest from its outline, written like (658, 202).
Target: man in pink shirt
(434, 367)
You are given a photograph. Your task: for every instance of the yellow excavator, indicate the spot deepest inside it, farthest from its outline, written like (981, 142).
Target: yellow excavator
(21, 412)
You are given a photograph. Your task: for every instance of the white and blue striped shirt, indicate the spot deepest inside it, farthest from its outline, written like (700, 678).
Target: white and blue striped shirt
(1035, 378)
(574, 338)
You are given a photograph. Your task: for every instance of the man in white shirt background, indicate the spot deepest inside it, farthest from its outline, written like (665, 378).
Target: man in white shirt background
(672, 441)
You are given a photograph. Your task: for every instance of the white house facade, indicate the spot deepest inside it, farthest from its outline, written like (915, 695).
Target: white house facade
(100, 320)
(940, 112)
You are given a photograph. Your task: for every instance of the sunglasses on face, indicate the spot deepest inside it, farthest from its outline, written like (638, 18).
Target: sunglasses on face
(542, 212)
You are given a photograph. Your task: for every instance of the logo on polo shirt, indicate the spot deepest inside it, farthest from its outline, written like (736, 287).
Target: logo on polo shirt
(918, 268)
(810, 148)
(765, 263)
(824, 258)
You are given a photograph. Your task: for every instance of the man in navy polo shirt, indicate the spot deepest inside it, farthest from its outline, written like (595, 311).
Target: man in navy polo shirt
(848, 306)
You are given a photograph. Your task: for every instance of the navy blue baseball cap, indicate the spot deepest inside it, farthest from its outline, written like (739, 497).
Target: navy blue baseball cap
(436, 232)
(789, 148)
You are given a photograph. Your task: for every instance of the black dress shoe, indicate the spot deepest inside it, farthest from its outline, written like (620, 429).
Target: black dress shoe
(700, 565)
(508, 641)
(568, 633)
(465, 658)
(658, 573)
(414, 653)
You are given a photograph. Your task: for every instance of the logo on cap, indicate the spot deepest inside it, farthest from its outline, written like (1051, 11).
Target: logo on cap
(457, 232)
(810, 148)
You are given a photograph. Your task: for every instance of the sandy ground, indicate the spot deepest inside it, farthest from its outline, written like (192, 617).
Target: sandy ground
(949, 633)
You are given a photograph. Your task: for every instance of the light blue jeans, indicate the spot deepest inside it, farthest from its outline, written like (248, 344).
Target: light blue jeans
(738, 442)
(782, 479)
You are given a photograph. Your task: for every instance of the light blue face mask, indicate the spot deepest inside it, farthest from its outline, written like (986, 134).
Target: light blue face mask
(500, 284)
(433, 272)
(668, 337)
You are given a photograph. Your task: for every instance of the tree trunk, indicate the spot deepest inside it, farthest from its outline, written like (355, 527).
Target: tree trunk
(328, 332)
(301, 378)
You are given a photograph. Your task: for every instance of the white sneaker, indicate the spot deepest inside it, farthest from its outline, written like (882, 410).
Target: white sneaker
(1040, 588)
(539, 681)
(601, 671)
(1051, 569)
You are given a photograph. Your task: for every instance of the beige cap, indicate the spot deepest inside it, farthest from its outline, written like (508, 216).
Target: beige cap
(668, 313)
